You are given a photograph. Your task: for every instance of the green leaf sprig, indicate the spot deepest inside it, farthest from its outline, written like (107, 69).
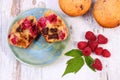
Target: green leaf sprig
(77, 62)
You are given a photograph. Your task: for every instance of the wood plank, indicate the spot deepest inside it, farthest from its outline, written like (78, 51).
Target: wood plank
(7, 61)
(0, 23)
(16, 6)
(30, 72)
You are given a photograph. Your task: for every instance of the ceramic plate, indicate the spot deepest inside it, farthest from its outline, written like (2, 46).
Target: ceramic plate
(40, 52)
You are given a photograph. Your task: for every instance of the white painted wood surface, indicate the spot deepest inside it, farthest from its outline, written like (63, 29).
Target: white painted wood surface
(11, 69)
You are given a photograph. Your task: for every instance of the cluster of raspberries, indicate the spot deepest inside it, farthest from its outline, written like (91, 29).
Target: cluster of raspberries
(87, 47)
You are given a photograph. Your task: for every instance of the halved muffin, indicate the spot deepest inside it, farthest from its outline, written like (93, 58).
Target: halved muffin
(23, 32)
(52, 27)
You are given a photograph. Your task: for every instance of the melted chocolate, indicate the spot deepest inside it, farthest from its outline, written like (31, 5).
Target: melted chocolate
(31, 20)
(53, 30)
(53, 36)
(45, 31)
(30, 38)
(19, 29)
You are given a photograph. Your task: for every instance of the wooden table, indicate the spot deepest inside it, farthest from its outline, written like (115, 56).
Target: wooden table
(11, 69)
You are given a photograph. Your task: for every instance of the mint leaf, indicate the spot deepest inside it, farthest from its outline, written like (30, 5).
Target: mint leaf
(74, 53)
(74, 65)
(89, 60)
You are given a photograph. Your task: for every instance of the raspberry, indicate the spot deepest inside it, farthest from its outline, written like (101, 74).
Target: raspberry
(90, 36)
(52, 18)
(98, 50)
(14, 40)
(93, 45)
(102, 39)
(42, 22)
(26, 24)
(106, 53)
(9, 35)
(62, 35)
(97, 64)
(86, 51)
(81, 45)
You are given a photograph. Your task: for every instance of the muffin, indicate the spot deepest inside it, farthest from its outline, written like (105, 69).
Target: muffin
(75, 7)
(107, 13)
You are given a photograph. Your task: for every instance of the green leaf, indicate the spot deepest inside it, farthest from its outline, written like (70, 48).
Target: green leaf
(74, 53)
(89, 60)
(74, 65)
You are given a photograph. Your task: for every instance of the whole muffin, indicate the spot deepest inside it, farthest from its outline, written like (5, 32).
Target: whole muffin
(75, 7)
(107, 13)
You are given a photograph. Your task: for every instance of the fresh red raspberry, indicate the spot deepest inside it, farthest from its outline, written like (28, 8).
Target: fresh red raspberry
(87, 51)
(81, 45)
(14, 40)
(26, 24)
(41, 22)
(106, 53)
(97, 64)
(93, 45)
(52, 18)
(90, 36)
(102, 39)
(98, 50)
(62, 35)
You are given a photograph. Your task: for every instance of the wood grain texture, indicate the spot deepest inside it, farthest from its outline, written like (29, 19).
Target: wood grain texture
(0, 24)
(11, 69)
(34, 2)
(17, 71)
(16, 6)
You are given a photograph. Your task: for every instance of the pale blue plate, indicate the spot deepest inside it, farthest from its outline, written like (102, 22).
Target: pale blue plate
(40, 52)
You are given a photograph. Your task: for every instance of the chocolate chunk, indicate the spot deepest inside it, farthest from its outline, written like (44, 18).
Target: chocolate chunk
(34, 30)
(19, 29)
(81, 7)
(31, 20)
(53, 30)
(45, 31)
(30, 38)
(33, 27)
(104, 0)
(53, 36)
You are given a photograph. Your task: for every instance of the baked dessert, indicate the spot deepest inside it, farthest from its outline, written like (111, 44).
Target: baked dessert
(107, 13)
(23, 32)
(75, 7)
(52, 27)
